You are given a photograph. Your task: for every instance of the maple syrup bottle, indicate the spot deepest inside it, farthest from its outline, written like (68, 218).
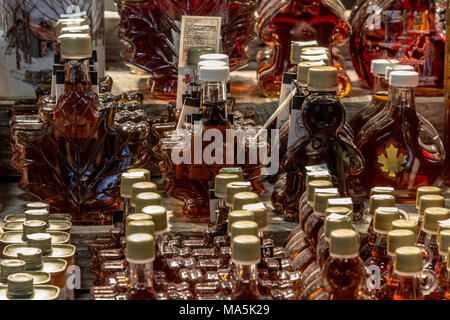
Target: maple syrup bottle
(392, 145)
(140, 255)
(409, 268)
(379, 95)
(425, 202)
(315, 221)
(343, 272)
(430, 229)
(383, 219)
(126, 182)
(335, 220)
(422, 191)
(396, 239)
(307, 207)
(441, 267)
(261, 217)
(233, 188)
(246, 255)
(220, 186)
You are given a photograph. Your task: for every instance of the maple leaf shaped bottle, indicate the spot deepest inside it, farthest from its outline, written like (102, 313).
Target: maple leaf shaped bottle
(73, 153)
(394, 152)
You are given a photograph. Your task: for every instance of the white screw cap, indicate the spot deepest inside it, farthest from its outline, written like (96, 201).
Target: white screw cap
(378, 66)
(404, 79)
(215, 56)
(214, 74)
(400, 67)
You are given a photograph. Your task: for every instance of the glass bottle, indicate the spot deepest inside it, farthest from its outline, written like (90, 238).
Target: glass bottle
(160, 22)
(379, 260)
(376, 201)
(408, 266)
(446, 114)
(126, 182)
(279, 23)
(316, 219)
(429, 230)
(86, 143)
(323, 117)
(409, 32)
(425, 202)
(441, 267)
(245, 255)
(389, 152)
(379, 95)
(396, 238)
(343, 272)
(140, 255)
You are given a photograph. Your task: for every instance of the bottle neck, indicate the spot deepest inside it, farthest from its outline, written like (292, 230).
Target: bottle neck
(214, 92)
(246, 277)
(402, 99)
(409, 288)
(379, 84)
(141, 275)
(77, 74)
(379, 251)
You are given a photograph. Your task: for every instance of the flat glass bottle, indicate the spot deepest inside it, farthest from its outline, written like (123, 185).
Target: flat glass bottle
(441, 267)
(390, 152)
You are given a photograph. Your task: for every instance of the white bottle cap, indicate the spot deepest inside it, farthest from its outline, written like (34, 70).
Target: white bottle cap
(400, 67)
(215, 56)
(209, 63)
(379, 66)
(404, 79)
(214, 74)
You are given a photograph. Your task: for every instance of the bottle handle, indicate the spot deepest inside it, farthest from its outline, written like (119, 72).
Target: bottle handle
(429, 282)
(404, 214)
(435, 147)
(428, 255)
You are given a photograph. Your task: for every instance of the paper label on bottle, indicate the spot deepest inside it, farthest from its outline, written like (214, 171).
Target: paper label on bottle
(319, 167)
(241, 184)
(340, 201)
(326, 190)
(254, 206)
(297, 129)
(186, 110)
(196, 31)
(384, 189)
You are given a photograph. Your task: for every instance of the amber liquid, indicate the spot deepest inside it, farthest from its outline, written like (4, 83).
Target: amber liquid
(369, 111)
(297, 20)
(446, 134)
(150, 31)
(343, 278)
(409, 35)
(409, 288)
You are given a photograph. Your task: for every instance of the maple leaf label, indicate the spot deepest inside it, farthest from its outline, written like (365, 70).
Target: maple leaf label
(391, 161)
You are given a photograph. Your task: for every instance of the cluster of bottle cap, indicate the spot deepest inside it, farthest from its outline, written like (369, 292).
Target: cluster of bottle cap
(231, 259)
(398, 259)
(36, 255)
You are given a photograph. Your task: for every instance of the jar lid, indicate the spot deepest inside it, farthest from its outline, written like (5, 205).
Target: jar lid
(422, 191)
(317, 184)
(10, 266)
(244, 227)
(42, 241)
(399, 67)
(220, 183)
(380, 200)
(242, 198)
(214, 74)
(444, 242)
(344, 243)
(159, 217)
(31, 256)
(140, 187)
(401, 224)
(335, 221)
(404, 79)
(140, 226)
(20, 286)
(431, 217)
(383, 218)
(378, 66)
(245, 250)
(215, 56)
(322, 78)
(145, 199)
(239, 215)
(400, 238)
(430, 200)
(321, 201)
(140, 248)
(127, 180)
(303, 69)
(408, 261)
(296, 49)
(76, 45)
(37, 205)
